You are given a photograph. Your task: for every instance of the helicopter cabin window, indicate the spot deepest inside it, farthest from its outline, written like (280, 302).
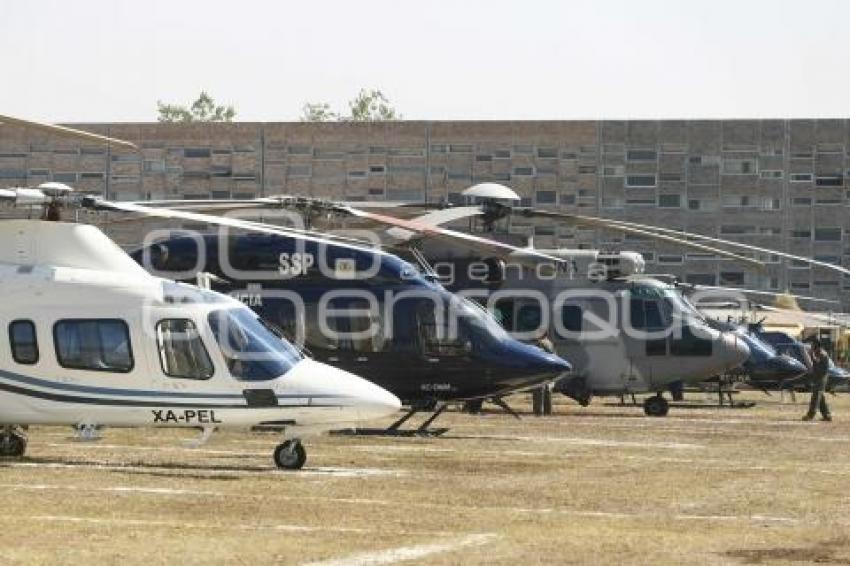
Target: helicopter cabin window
(23, 341)
(691, 343)
(93, 344)
(571, 317)
(435, 334)
(181, 351)
(357, 330)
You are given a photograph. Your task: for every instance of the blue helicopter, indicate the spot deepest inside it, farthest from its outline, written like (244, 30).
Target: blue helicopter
(787, 345)
(356, 308)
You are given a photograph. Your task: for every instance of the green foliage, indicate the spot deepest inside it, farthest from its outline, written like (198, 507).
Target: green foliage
(367, 106)
(318, 112)
(204, 109)
(371, 106)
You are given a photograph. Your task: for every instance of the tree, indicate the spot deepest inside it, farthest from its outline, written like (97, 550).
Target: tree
(367, 106)
(318, 112)
(204, 109)
(371, 106)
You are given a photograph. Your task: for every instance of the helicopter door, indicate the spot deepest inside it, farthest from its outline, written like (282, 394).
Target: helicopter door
(445, 353)
(647, 347)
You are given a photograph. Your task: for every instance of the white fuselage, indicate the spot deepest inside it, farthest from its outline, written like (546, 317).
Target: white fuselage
(47, 281)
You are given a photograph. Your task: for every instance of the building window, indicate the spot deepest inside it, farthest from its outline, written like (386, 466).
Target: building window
(670, 177)
(772, 204)
(95, 345)
(154, 166)
(827, 234)
(196, 152)
(377, 169)
(547, 152)
(299, 150)
(181, 351)
(297, 170)
(731, 278)
(568, 199)
(801, 201)
(641, 155)
(640, 181)
(739, 166)
(669, 201)
(701, 279)
(771, 174)
(830, 181)
(65, 177)
(737, 230)
(524, 171)
(801, 177)
(694, 204)
(23, 342)
(546, 197)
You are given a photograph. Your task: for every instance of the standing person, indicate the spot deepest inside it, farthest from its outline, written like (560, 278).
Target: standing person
(541, 398)
(820, 372)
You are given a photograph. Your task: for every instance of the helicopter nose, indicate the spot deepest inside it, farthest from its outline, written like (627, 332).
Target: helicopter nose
(348, 397)
(544, 366)
(787, 367)
(733, 350)
(373, 402)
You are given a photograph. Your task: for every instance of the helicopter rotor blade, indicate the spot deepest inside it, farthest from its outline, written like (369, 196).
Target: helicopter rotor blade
(641, 231)
(66, 131)
(429, 229)
(622, 224)
(97, 203)
(820, 317)
(732, 290)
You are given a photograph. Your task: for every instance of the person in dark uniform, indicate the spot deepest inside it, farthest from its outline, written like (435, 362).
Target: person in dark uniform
(820, 372)
(541, 398)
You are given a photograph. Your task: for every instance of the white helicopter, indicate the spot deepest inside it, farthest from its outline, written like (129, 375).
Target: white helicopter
(93, 340)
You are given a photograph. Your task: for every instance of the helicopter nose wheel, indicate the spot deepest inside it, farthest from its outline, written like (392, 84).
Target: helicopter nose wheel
(13, 443)
(656, 406)
(290, 455)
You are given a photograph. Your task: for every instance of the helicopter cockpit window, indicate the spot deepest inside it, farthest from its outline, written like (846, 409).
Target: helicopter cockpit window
(96, 345)
(252, 351)
(23, 341)
(181, 351)
(646, 314)
(528, 317)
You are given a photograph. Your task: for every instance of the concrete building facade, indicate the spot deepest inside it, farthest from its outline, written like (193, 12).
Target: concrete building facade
(773, 183)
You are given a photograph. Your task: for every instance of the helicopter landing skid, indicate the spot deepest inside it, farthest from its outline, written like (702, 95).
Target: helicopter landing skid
(396, 430)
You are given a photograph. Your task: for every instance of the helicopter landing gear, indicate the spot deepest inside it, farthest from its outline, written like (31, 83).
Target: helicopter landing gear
(656, 406)
(290, 455)
(13, 442)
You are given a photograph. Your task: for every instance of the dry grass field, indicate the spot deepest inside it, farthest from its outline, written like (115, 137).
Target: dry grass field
(603, 484)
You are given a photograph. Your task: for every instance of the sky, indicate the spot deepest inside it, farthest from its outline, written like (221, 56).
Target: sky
(93, 61)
